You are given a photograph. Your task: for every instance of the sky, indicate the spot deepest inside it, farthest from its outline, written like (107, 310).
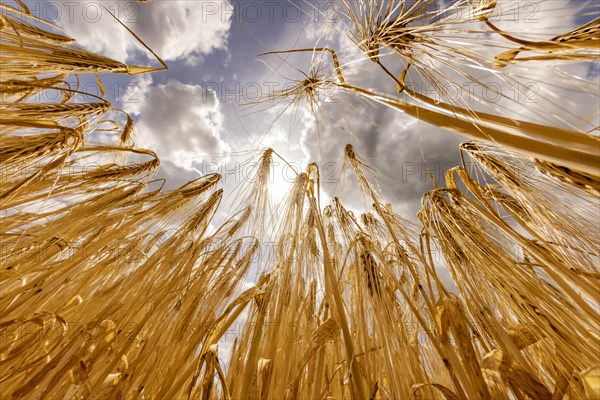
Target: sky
(212, 108)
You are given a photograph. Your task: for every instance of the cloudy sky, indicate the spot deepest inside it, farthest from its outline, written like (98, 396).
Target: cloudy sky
(212, 109)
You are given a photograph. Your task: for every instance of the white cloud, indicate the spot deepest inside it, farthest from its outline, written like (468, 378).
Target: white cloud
(178, 121)
(174, 30)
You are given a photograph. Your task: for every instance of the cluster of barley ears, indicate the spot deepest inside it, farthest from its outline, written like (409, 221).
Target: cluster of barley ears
(112, 288)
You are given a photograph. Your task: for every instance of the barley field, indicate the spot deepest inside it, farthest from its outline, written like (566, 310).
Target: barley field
(114, 286)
